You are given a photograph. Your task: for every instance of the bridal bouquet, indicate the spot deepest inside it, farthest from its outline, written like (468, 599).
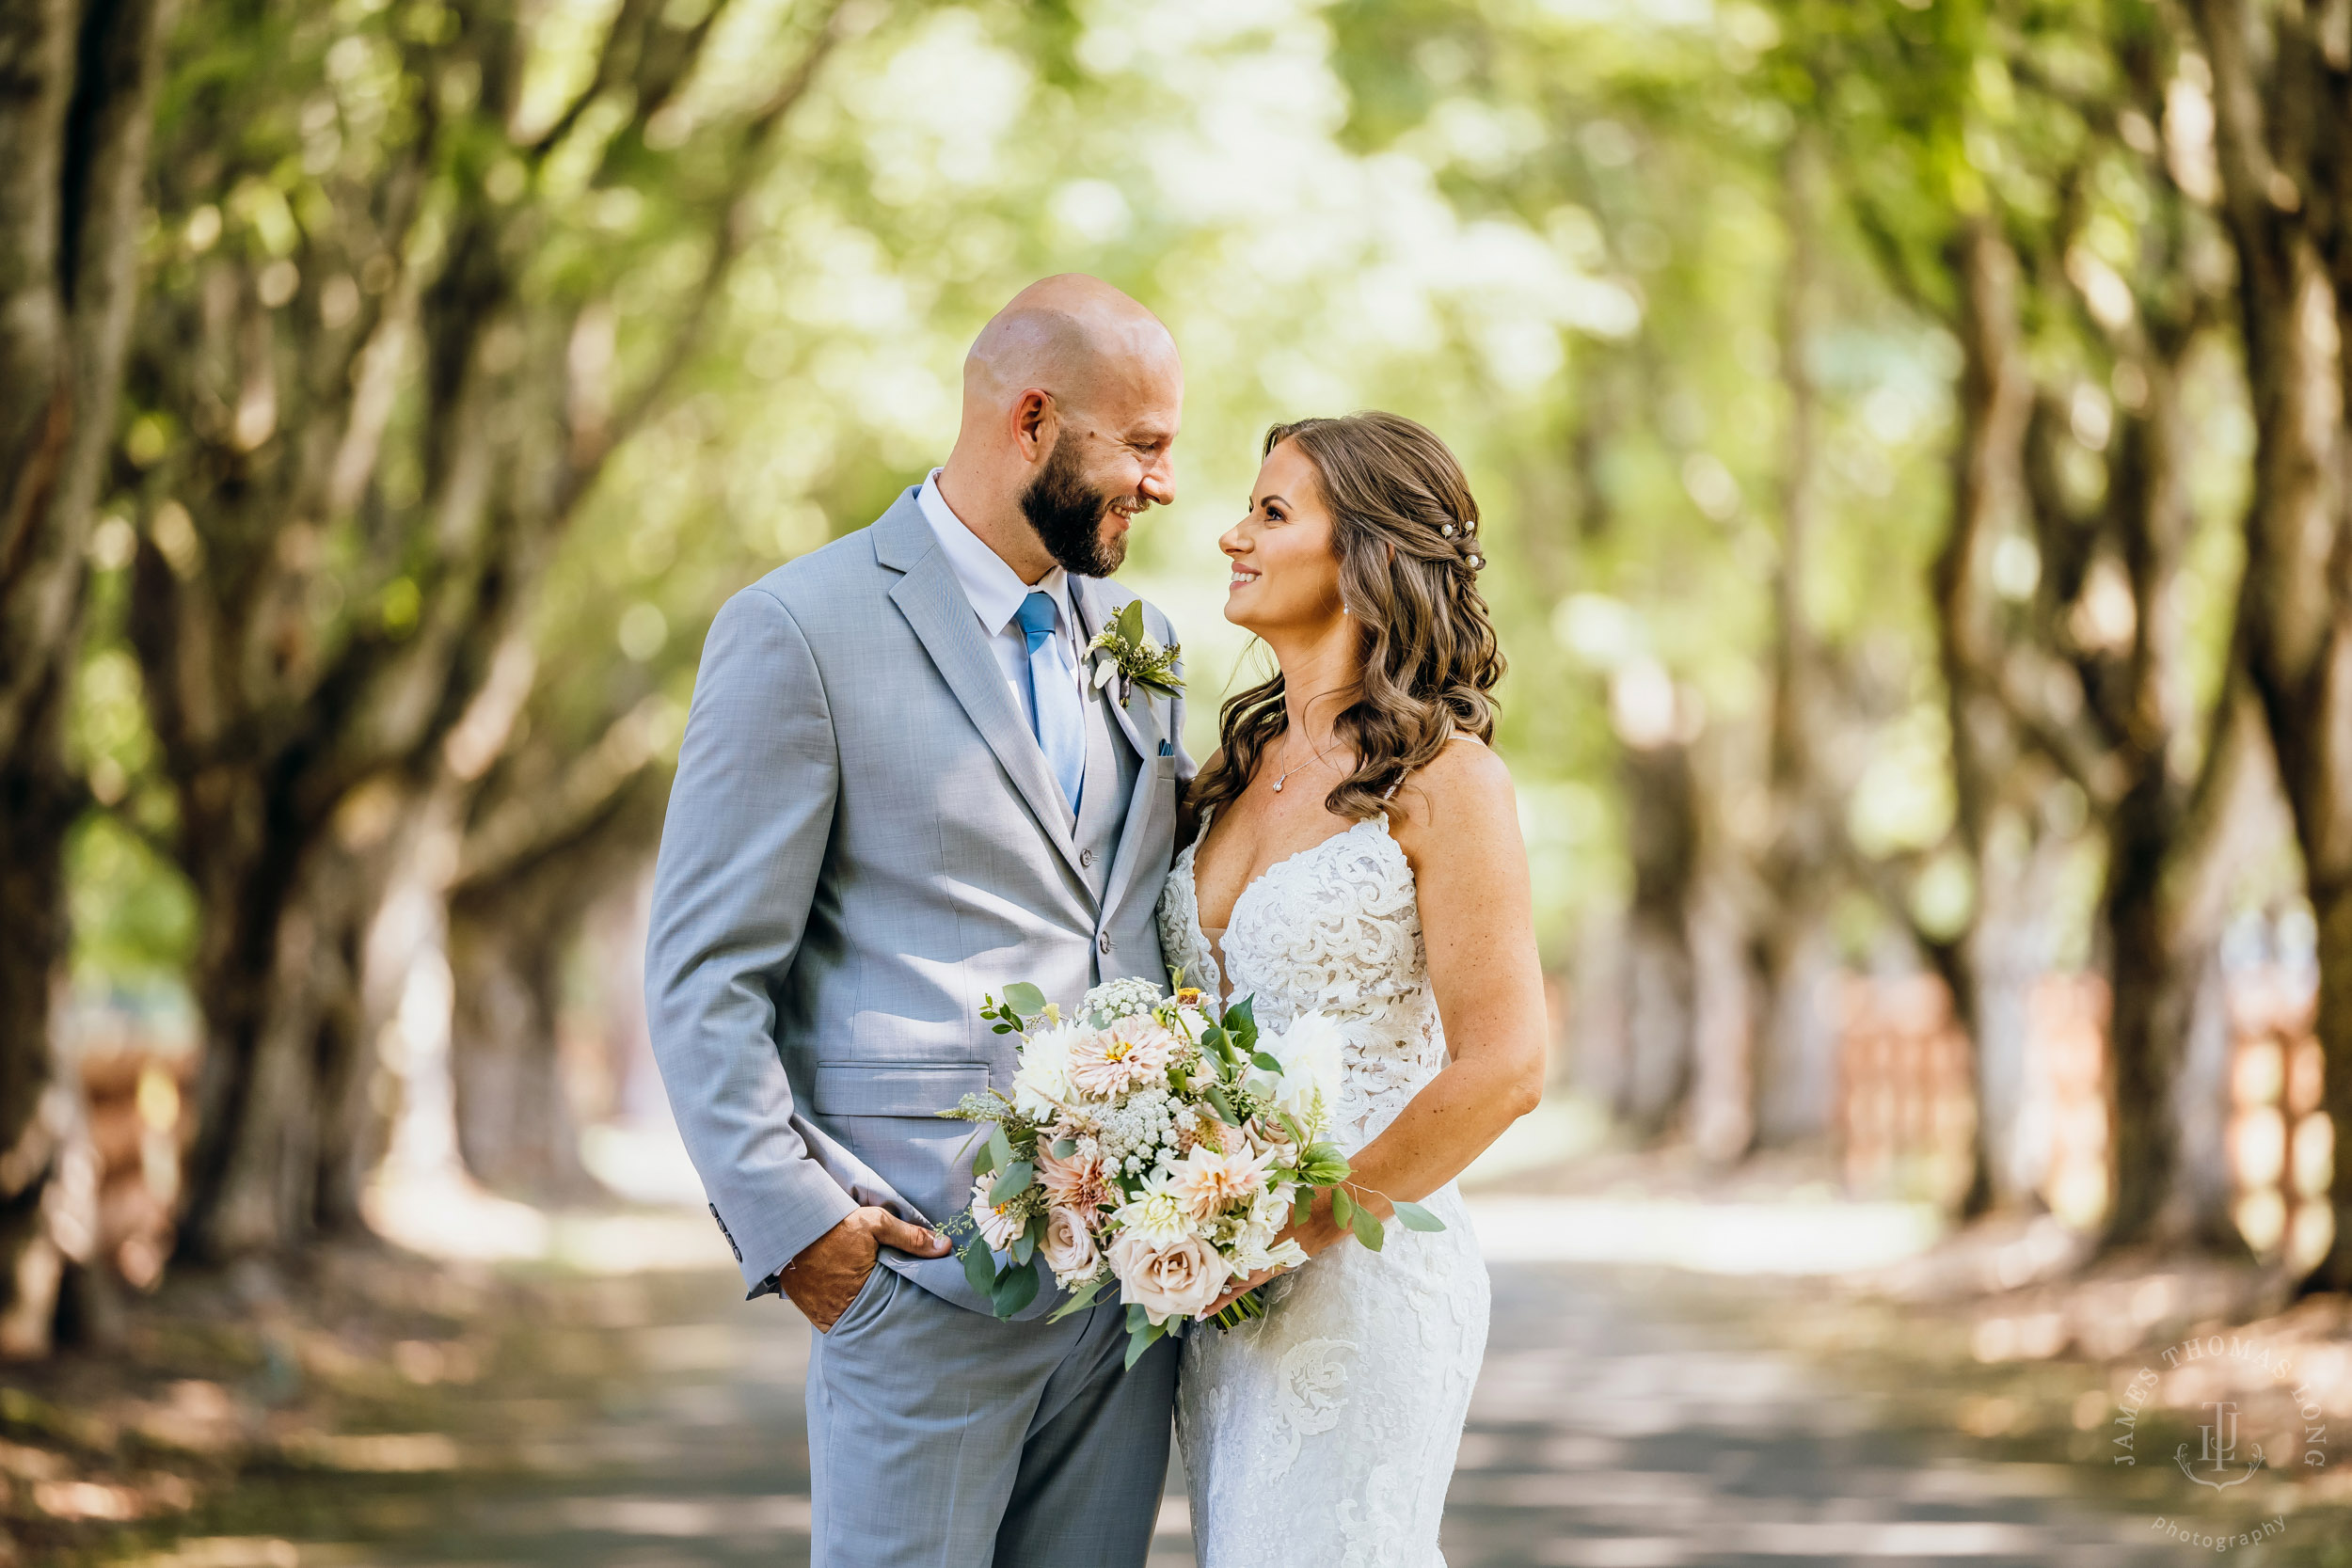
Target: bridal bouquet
(1151, 1141)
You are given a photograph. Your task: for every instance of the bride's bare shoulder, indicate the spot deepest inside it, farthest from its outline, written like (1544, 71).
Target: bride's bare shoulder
(1464, 789)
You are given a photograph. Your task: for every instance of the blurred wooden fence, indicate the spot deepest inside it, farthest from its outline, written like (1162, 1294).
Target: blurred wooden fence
(1907, 1105)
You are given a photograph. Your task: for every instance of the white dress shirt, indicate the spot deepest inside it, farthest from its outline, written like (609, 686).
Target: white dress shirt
(995, 590)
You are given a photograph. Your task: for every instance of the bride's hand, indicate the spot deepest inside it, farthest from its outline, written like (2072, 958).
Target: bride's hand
(1240, 1290)
(1317, 1233)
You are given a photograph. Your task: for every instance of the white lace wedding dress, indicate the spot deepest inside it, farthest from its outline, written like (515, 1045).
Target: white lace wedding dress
(1325, 1432)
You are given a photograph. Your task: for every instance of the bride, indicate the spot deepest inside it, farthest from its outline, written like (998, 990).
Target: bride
(1358, 851)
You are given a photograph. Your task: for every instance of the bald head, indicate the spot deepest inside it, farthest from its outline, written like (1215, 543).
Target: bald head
(1071, 336)
(1071, 395)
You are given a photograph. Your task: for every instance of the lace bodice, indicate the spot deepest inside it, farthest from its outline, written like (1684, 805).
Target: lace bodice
(1325, 1432)
(1335, 926)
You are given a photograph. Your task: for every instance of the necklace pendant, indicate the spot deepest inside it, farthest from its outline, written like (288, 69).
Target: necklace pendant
(1278, 786)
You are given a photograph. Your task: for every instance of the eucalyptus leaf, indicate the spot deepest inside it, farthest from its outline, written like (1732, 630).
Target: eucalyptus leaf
(980, 1266)
(1342, 1208)
(1065, 1148)
(1024, 1248)
(999, 1146)
(1415, 1217)
(1130, 621)
(1014, 1291)
(1302, 1206)
(1024, 999)
(985, 1161)
(1012, 1183)
(1367, 1227)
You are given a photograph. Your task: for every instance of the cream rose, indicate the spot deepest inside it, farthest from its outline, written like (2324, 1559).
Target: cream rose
(1179, 1278)
(1070, 1250)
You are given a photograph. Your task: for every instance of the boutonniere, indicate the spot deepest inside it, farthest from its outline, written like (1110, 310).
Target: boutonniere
(1129, 653)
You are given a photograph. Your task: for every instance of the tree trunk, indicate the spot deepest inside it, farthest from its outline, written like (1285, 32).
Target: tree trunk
(514, 1124)
(2282, 103)
(1660, 985)
(2010, 859)
(1793, 1067)
(515, 911)
(281, 1094)
(77, 91)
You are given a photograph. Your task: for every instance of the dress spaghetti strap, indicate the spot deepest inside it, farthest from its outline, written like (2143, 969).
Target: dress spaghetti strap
(1458, 733)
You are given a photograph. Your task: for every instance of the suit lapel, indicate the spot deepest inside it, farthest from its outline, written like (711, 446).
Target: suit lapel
(927, 595)
(1134, 715)
(1141, 727)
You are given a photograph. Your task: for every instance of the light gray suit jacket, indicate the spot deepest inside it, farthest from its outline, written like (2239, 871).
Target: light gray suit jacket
(863, 839)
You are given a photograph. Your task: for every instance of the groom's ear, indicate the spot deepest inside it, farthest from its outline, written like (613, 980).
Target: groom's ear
(1034, 422)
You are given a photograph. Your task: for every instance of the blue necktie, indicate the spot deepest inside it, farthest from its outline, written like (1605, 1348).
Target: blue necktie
(1056, 716)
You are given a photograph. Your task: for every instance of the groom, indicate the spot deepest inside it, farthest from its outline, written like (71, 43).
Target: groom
(899, 791)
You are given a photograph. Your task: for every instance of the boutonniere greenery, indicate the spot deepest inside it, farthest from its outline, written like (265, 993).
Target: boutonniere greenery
(1130, 656)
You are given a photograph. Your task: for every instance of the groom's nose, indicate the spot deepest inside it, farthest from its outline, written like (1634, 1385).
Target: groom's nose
(1159, 480)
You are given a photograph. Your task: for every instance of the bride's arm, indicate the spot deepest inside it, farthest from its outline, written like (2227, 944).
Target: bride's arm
(1457, 822)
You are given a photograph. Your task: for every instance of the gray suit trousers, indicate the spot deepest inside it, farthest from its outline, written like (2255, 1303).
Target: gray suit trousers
(942, 1438)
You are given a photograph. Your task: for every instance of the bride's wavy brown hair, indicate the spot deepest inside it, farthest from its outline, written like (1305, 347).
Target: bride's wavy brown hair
(1405, 527)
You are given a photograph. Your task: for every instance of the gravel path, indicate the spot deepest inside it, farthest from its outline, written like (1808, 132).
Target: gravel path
(1626, 1420)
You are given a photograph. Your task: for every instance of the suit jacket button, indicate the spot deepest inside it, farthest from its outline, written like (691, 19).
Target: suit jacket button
(1103, 943)
(1086, 857)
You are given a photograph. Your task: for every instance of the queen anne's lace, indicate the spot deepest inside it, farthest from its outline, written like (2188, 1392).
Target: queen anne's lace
(1325, 1432)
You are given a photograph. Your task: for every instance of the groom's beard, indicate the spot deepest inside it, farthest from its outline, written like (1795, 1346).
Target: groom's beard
(1067, 515)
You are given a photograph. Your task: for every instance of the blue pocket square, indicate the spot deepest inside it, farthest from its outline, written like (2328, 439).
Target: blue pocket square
(1167, 748)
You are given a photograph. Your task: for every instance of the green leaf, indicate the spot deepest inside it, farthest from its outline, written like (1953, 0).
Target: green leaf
(985, 1161)
(1065, 1148)
(1224, 1107)
(1014, 1291)
(1130, 621)
(1261, 1059)
(1415, 1217)
(1141, 1339)
(1012, 1183)
(1290, 1124)
(1342, 1208)
(1136, 1316)
(1213, 1037)
(1302, 1206)
(980, 1266)
(1367, 1227)
(1080, 1299)
(1024, 1248)
(999, 1146)
(1002, 1029)
(1024, 999)
(1241, 1022)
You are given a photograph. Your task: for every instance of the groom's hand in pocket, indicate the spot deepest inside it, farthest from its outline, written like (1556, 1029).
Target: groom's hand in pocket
(831, 1270)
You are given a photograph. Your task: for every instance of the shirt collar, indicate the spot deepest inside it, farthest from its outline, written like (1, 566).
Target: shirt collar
(994, 589)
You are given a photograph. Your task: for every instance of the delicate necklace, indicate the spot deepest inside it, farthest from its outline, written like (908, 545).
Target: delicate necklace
(1295, 766)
